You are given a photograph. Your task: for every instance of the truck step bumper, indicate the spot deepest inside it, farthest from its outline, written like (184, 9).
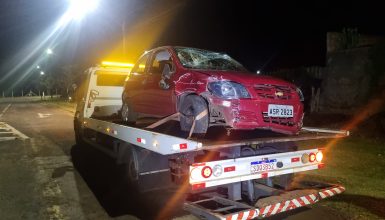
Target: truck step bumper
(216, 207)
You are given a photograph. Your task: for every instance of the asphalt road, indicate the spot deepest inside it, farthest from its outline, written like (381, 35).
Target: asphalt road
(49, 177)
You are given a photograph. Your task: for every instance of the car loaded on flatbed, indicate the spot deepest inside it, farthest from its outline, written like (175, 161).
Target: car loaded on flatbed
(227, 173)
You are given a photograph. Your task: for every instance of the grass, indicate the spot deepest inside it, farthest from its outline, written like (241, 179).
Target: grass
(359, 165)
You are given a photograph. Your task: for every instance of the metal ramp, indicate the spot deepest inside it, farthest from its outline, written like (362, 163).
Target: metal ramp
(219, 208)
(8, 133)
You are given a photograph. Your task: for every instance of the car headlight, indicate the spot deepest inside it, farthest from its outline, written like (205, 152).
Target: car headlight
(228, 90)
(300, 94)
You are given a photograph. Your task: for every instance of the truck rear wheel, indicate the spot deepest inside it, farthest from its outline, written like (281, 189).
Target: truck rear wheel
(129, 166)
(191, 107)
(78, 130)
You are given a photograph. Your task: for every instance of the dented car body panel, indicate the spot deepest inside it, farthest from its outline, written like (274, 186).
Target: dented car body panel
(236, 98)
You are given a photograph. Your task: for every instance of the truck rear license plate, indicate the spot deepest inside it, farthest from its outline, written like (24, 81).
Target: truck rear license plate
(257, 168)
(284, 111)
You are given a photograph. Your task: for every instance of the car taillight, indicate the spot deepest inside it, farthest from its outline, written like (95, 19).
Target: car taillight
(207, 171)
(312, 157)
(319, 156)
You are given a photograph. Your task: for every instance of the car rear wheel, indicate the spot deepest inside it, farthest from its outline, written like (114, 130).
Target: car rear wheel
(194, 106)
(127, 114)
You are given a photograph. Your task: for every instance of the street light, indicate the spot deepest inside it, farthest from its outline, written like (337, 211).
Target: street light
(37, 67)
(49, 51)
(42, 73)
(79, 8)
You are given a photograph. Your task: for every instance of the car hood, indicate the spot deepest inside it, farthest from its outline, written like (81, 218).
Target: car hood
(244, 78)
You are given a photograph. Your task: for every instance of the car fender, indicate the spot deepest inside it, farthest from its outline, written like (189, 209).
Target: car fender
(180, 98)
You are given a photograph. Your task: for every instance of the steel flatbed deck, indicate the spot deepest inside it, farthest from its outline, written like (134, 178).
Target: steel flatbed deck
(172, 143)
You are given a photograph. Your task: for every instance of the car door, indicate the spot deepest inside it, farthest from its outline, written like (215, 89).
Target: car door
(159, 84)
(134, 92)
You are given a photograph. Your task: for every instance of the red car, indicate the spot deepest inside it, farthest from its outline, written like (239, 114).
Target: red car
(211, 88)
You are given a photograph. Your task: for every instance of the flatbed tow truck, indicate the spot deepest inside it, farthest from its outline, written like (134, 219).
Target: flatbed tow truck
(241, 176)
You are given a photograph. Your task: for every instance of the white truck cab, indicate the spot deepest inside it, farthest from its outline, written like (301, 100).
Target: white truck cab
(102, 90)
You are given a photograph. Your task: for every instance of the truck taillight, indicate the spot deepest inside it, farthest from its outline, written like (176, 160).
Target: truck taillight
(312, 157)
(207, 171)
(195, 174)
(305, 158)
(319, 156)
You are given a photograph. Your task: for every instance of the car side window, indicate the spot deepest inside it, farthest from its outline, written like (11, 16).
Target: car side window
(160, 59)
(140, 66)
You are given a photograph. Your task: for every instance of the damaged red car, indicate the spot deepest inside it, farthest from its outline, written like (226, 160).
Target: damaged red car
(211, 89)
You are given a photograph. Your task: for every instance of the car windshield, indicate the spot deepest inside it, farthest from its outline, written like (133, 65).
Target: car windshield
(202, 59)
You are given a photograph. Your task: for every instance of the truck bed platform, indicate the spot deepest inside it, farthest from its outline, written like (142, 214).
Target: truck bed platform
(172, 141)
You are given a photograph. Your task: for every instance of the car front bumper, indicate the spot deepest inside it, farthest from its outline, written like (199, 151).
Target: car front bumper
(249, 114)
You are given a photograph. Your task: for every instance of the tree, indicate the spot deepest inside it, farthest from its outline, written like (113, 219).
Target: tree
(349, 38)
(376, 66)
(67, 79)
(49, 82)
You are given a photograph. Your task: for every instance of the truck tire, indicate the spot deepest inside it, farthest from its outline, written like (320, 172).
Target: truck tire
(191, 106)
(78, 129)
(127, 114)
(129, 167)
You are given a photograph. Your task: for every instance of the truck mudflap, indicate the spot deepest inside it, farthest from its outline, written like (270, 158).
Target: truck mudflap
(217, 207)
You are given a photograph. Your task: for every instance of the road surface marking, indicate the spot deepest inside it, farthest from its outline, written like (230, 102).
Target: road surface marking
(45, 115)
(5, 109)
(11, 133)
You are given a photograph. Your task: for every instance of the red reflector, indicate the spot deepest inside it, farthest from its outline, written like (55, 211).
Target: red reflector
(229, 169)
(207, 171)
(264, 175)
(321, 165)
(295, 159)
(198, 186)
(183, 146)
(311, 157)
(138, 140)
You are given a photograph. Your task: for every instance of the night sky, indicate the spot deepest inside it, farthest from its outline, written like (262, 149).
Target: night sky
(264, 35)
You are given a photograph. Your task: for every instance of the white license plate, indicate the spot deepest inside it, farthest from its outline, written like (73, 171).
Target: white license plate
(284, 111)
(257, 168)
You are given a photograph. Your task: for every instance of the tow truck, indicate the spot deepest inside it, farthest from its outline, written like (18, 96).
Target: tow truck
(240, 176)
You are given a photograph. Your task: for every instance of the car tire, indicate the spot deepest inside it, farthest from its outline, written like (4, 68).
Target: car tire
(191, 106)
(127, 114)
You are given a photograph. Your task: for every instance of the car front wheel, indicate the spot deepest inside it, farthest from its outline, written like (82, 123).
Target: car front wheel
(194, 106)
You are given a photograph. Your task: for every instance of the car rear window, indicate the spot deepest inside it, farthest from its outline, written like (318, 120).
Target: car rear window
(110, 79)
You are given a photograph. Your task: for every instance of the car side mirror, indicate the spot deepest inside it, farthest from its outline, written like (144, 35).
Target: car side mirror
(163, 84)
